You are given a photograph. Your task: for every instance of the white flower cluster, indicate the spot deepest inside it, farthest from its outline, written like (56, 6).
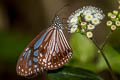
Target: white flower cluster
(86, 18)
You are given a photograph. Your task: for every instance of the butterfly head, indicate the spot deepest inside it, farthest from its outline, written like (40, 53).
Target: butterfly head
(57, 23)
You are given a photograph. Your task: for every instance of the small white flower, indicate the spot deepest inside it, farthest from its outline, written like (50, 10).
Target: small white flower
(73, 29)
(74, 20)
(91, 10)
(90, 27)
(87, 12)
(99, 16)
(88, 17)
(83, 23)
(78, 12)
(95, 21)
(109, 23)
(89, 34)
(113, 16)
(113, 27)
(117, 23)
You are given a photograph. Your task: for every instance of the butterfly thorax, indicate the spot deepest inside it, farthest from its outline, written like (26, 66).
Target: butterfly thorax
(57, 23)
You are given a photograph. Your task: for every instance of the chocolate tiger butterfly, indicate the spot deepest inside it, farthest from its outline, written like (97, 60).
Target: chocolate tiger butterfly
(49, 50)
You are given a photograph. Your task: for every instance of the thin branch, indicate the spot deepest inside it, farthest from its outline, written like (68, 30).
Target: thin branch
(107, 37)
(105, 58)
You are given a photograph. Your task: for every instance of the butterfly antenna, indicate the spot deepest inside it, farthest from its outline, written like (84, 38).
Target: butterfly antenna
(61, 9)
(56, 18)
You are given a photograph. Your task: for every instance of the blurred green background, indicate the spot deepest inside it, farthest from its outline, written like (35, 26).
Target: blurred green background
(22, 20)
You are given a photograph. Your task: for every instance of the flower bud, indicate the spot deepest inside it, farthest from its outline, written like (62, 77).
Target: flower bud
(83, 24)
(117, 23)
(110, 14)
(119, 7)
(113, 27)
(118, 1)
(115, 12)
(113, 17)
(119, 16)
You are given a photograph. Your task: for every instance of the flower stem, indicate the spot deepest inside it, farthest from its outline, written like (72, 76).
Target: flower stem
(107, 37)
(105, 58)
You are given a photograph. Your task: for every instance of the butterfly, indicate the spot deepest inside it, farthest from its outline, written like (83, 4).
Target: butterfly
(49, 50)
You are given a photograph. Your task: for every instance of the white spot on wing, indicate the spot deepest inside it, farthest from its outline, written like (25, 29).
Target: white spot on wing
(51, 66)
(41, 55)
(35, 66)
(44, 60)
(22, 70)
(49, 63)
(25, 72)
(29, 69)
(62, 62)
(27, 49)
(19, 67)
(58, 64)
(37, 69)
(45, 64)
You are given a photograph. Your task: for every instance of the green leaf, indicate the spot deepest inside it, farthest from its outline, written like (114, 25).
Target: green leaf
(71, 73)
(113, 57)
(83, 52)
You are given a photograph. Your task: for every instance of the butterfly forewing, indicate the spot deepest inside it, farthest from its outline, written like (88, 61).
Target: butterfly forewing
(27, 64)
(28, 61)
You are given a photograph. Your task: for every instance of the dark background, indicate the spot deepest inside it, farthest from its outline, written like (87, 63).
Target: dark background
(22, 20)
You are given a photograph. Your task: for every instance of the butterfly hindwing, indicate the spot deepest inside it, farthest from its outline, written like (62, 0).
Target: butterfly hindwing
(56, 51)
(62, 51)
